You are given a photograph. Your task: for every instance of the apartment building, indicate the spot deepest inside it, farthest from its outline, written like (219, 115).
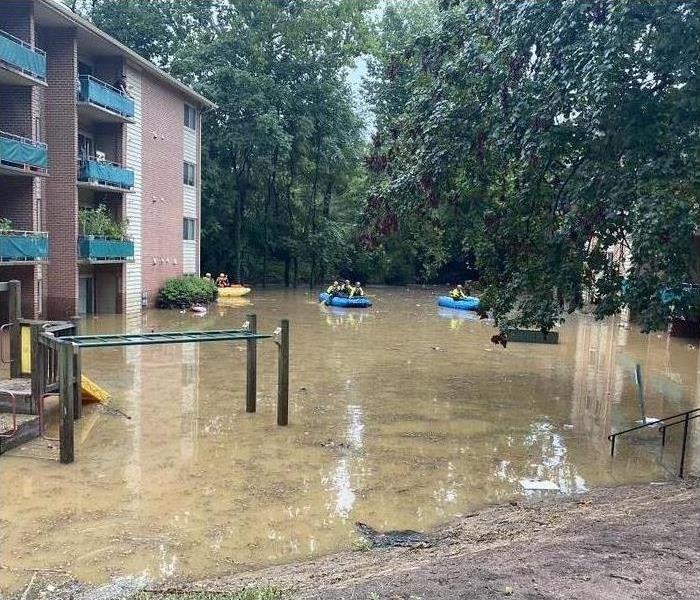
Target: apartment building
(99, 166)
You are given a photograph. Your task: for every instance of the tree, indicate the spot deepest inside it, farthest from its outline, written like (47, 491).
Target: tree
(557, 142)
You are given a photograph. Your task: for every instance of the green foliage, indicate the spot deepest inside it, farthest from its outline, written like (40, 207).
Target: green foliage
(186, 291)
(555, 142)
(5, 225)
(283, 149)
(100, 222)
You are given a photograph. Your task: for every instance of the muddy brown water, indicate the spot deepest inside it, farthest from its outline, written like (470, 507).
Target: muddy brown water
(402, 416)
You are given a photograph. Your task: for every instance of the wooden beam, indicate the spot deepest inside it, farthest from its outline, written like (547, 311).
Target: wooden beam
(251, 366)
(283, 376)
(66, 400)
(77, 374)
(14, 315)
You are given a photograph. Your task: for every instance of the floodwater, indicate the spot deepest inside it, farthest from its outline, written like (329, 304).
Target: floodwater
(401, 416)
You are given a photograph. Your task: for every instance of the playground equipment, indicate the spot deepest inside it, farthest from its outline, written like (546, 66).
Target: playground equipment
(58, 364)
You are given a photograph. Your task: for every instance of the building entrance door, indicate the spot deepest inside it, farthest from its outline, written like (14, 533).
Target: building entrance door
(86, 298)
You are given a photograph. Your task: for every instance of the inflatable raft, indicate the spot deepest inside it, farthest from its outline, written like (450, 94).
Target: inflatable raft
(341, 302)
(468, 303)
(233, 291)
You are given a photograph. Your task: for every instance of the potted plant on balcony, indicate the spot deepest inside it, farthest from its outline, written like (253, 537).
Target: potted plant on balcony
(99, 223)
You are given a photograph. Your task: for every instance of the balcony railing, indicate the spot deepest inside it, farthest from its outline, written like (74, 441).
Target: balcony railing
(105, 173)
(23, 246)
(23, 153)
(101, 94)
(101, 249)
(21, 56)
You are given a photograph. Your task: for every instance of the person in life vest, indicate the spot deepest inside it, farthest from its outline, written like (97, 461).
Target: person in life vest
(333, 289)
(357, 291)
(346, 288)
(207, 277)
(458, 293)
(222, 280)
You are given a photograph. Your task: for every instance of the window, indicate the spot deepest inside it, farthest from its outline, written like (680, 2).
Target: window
(188, 173)
(188, 229)
(190, 117)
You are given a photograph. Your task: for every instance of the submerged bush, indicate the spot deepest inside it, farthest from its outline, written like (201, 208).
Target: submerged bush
(183, 292)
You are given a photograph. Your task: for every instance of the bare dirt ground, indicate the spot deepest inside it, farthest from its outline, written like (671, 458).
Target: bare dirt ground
(638, 542)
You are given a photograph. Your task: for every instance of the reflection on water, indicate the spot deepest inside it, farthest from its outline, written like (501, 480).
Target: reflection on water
(401, 416)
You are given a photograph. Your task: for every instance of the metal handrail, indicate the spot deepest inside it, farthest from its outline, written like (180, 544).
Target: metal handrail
(684, 417)
(101, 162)
(24, 140)
(90, 236)
(24, 233)
(613, 436)
(104, 84)
(662, 429)
(3, 327)
(27, 45)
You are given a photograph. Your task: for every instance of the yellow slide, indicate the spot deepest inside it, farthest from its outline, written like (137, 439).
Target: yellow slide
(92, 392)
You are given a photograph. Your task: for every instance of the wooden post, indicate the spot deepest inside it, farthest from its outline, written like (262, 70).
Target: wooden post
(66, 401)
(38, 377)
(283, 376)
(14, 315)
(77, 373)
(252, 366)
(640, 391)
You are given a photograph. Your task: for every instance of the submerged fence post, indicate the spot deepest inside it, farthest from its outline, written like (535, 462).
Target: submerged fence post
(640, 390)
(685, 444)
(252, 366)
(283, 376)
(37, 365)
(14, 315)
(77, 374)
(66, 401)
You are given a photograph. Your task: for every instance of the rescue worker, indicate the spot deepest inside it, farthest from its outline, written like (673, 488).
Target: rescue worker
(458, 293)
(207, 277)
(357, 291)
(332, 289)
(347, 288)
(222, 280)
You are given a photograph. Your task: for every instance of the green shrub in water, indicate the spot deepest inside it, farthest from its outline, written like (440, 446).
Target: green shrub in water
(184, 292)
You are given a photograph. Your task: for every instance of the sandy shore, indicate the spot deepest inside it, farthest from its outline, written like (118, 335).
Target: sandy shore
(633, 542)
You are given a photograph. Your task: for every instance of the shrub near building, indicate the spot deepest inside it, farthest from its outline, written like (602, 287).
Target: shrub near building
(186, 291)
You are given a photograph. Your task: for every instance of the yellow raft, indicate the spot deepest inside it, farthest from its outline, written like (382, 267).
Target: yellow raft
(233, 291)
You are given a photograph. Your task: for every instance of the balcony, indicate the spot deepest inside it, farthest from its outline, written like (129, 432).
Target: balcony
(20, 63)
(100, 174)
(95, 249)
(23, 156)
(23, 247)
(100, 102)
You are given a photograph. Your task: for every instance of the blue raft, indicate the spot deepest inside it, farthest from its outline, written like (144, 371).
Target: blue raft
(468, 303)
(343, 302)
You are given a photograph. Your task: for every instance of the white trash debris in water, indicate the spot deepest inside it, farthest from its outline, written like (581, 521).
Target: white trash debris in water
(533, 485)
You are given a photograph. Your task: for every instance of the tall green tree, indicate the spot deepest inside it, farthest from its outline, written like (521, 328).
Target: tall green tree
(558, 143)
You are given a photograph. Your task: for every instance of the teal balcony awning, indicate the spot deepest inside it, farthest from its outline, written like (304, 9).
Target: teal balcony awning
(23, 246)
(104, 173)
(96, 249)
(97, 92)
(21, 56)
(22, 152)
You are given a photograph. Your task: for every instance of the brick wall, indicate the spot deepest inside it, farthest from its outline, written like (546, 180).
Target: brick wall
(16, 201)
(61, 200)
(16, 19)
(162, 111)
(15, 110)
